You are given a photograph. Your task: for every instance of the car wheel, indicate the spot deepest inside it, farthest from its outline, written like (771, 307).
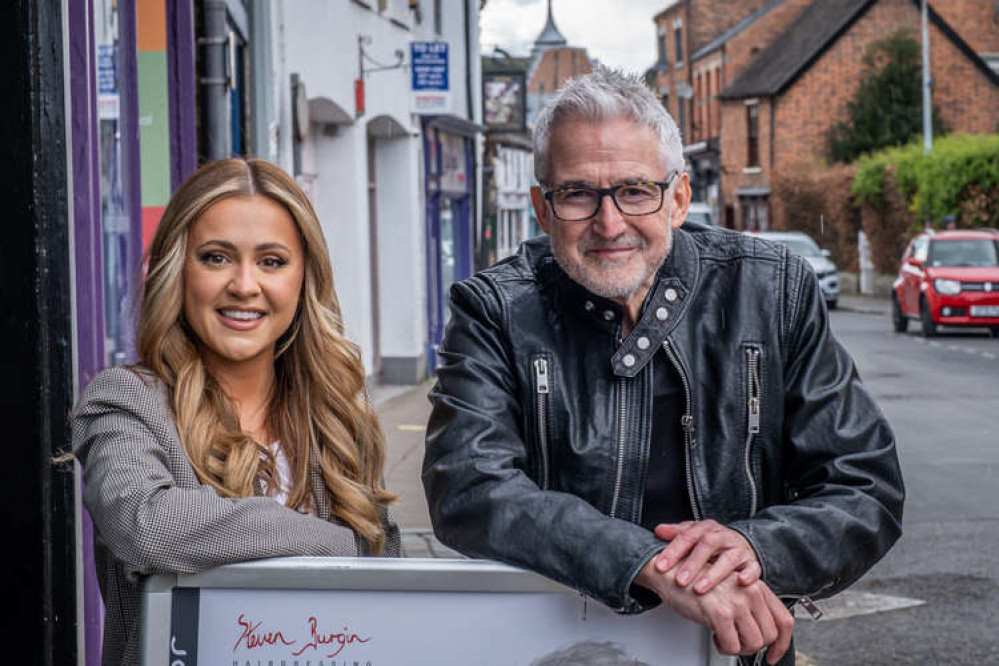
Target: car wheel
(926, 320)
(898, 320)
(994, 330)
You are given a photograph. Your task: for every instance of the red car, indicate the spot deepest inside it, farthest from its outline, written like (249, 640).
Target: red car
(949, 278)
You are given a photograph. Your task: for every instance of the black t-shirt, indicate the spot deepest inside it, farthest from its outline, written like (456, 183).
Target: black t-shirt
(666, 499)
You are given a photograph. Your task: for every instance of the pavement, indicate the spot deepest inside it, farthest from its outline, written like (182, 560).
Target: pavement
(862, 304)
(404, 411)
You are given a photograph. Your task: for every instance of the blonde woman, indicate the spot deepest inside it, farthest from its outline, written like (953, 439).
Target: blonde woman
(244, 431)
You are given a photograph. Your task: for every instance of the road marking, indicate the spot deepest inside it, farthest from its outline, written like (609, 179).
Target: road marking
(989, 355)
(406, 427)
(850, 604)
(801, 659)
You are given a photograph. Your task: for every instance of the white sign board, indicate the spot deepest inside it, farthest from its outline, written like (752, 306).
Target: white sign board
(442, 612)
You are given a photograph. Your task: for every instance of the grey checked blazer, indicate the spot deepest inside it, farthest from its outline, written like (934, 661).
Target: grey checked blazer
(151, 514)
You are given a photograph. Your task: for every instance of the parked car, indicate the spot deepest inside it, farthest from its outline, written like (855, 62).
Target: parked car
(949, 278)
(802, 244)
(700, 212)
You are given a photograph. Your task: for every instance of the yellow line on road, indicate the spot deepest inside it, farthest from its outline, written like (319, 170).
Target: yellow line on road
(405, 427)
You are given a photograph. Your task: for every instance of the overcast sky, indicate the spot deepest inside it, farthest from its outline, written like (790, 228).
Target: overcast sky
(619, 33)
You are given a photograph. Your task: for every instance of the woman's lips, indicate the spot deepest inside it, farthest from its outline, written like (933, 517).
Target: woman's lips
(241, 320)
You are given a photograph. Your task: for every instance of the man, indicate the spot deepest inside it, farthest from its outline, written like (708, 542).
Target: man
(638, 383)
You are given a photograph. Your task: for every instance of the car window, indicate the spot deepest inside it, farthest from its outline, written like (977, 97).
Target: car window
(802, 246)
(699, 217)
(920, 249)
(964, 253)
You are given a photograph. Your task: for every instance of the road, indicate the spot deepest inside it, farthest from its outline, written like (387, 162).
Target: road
(942, 398)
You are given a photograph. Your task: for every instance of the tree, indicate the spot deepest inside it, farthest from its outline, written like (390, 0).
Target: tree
(887, 109)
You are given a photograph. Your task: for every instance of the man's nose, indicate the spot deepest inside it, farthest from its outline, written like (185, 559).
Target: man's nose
(244, 281)
(609, 222)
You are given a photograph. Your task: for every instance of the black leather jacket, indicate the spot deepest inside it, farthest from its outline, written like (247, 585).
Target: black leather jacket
(537, 447)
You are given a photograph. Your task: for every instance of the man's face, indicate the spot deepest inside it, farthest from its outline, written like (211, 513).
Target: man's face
(611, 254)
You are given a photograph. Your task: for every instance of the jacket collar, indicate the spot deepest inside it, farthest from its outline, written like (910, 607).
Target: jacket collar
(666, 303)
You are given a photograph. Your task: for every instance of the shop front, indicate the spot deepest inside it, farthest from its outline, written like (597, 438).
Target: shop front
(448, 149)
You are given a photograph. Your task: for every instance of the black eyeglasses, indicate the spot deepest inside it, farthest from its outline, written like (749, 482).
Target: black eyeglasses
(572, 203)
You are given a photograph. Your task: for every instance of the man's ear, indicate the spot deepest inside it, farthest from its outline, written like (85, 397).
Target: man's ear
(681, 200)
(541, 210)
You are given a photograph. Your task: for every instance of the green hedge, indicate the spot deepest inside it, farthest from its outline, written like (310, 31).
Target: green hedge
(959, 177)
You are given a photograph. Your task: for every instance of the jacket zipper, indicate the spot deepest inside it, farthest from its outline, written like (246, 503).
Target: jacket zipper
(753, 397)
(621, 431)
(541, 391)
(687, 423)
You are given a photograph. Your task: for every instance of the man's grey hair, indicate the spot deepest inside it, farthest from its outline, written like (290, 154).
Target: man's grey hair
(606, 94)
(589, 653)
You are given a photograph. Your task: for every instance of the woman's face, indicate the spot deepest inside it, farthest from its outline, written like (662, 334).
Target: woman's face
(242, 280)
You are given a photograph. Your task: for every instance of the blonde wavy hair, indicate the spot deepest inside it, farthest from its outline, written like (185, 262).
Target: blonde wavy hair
(319, 409)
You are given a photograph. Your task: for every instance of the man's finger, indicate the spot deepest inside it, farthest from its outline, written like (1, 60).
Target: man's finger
(750, 573)
(750, 637)
(695, 563)
(727, 562)
(785, 627)
(669, 531)
(726, 636)
(677, 549)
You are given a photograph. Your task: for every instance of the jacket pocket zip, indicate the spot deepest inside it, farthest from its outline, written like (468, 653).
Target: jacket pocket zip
(687, 423)
(621, 432)
(541, 393)
(753, 418)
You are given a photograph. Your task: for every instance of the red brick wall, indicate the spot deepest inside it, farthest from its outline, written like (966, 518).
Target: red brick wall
(967, 100)
(710, 18)
(557, 65)
(977, 21)
(735, 170)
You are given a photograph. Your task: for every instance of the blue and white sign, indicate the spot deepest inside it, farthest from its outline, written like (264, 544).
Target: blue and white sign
(107, 82)
(430, 77)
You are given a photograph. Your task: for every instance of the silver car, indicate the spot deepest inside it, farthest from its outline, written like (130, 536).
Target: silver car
(802, 244)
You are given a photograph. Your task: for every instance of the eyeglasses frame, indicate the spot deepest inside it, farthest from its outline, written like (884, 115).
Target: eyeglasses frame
(609, 192)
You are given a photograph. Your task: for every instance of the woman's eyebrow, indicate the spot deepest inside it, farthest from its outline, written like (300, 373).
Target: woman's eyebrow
(262, 247)
(271, 246)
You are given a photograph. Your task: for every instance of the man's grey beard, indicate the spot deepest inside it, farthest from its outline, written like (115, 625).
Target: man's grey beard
(594, 282)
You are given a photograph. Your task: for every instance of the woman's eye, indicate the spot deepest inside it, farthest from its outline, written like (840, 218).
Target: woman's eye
(213, 258)
(273, 262)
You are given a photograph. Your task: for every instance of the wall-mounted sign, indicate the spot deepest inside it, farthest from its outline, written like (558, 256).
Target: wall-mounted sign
(430, 77)
(504, 101)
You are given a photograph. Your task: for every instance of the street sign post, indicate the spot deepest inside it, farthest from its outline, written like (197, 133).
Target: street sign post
(381, 612)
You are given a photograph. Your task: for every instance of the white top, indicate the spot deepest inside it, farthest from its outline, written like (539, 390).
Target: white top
(280, 493)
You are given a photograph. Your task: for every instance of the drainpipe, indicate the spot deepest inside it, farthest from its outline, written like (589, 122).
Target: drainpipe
(214, 82)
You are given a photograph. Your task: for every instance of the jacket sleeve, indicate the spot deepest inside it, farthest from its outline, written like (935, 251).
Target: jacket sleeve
(127, 444)
(843, 486)
(482, 501)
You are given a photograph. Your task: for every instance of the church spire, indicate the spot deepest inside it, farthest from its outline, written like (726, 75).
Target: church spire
(550, 37)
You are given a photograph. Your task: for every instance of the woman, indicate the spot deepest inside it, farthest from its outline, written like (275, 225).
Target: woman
(244, 431)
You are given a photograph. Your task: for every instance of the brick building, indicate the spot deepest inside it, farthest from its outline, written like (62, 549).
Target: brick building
(704, 45)
(776, 113)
